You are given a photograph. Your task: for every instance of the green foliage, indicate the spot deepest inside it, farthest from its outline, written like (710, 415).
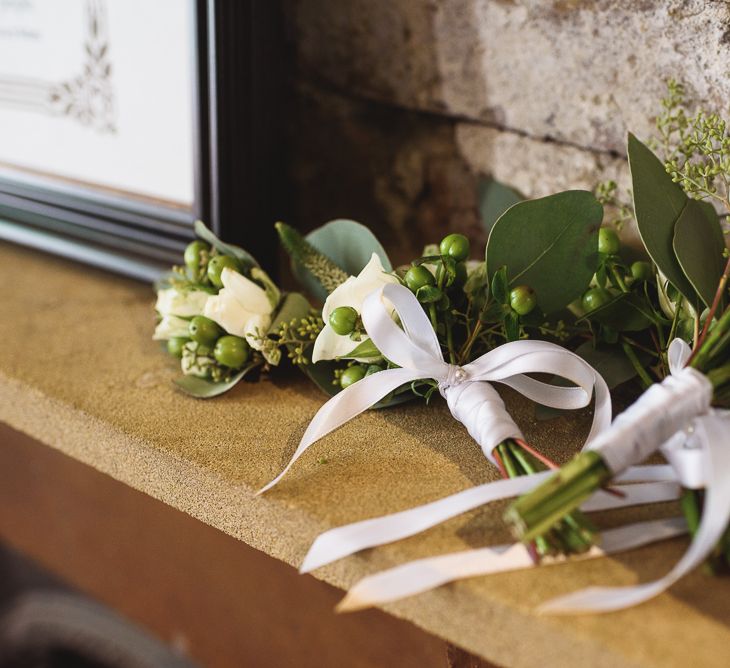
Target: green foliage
(318, 272)
(244, 257)
(201, 388)
(696, 147)
(494, 199)
(699, 245)
(683, 237)
(550, 244)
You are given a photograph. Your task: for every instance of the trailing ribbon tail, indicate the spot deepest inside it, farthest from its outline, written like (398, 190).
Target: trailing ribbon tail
(343, 541)
(708, 436)
(416, 351)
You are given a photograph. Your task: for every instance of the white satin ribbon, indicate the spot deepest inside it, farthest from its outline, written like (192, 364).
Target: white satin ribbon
(472, 401)
(662, 411)
(698, 456)
(422, 575)
(343, 541)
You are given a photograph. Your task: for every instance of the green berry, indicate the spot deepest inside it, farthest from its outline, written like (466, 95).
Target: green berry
(641, 270)
(522, 299)
(595, 298)
(352, 375)
(608, 243)
(175, 346)
(231, 351)
(417, 277)
(217, 264)
(455, 246)
(204, 330)
(343, 320)
(373, 368)
(194, 254)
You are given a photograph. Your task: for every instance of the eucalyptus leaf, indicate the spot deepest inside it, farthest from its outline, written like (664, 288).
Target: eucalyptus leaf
(494, 199)
(658, 204)
(699, 245)
(200, 388)
(348, 244)
(549, 244)
(226, 249)
(294, 306)
(322, 374)
(610, 361)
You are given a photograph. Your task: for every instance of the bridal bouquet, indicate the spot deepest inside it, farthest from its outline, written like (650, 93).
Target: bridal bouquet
(682, 233)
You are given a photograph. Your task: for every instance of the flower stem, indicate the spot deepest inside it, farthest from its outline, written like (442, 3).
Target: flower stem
(646, 380)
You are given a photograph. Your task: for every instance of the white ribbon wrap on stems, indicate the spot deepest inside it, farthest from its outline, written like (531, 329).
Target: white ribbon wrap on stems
(662, 411)
(707, 436)
(472, 401)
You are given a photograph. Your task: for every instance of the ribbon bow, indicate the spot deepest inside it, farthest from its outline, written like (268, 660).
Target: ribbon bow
(472, 401)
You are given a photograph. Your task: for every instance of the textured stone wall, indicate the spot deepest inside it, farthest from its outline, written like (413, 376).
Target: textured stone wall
(404, 103)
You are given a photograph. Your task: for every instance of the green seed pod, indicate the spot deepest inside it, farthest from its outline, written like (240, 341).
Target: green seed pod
(595, 298)
(204, 330)
(231, 351)
(417, 277)
(175, 346)
(217, 264)
(641, 270)
(455, 246)
(522, 299)
(608, 243)
(352, 375)
(195, 252)
(343, 320)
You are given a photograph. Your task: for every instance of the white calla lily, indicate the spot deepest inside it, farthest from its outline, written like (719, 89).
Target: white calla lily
(185, 303)
(330, 345)
(241, 307)
(171, 326)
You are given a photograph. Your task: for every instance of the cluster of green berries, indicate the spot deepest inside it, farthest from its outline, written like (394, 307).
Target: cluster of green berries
(608, 247)
(205, 266)
(228, 350)
(428, 287)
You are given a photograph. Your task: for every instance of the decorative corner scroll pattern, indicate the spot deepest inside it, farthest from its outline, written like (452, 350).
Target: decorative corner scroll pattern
(89, 97)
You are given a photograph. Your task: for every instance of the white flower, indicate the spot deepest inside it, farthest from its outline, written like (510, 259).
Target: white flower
(185, 303)
(330, 345)
(241, 307)
(170, 327)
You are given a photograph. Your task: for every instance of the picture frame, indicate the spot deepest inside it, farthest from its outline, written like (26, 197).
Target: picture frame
(236, 87)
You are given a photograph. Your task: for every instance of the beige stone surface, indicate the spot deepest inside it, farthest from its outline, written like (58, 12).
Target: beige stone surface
(80, 373)
(403, 104)
(576, 71)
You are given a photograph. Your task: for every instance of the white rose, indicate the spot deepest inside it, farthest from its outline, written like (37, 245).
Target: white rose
(170, 327)
(241, 307)
(185, 303)
(330, 345)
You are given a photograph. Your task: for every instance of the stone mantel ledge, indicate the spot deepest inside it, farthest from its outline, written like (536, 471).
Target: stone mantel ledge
(80, 373)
